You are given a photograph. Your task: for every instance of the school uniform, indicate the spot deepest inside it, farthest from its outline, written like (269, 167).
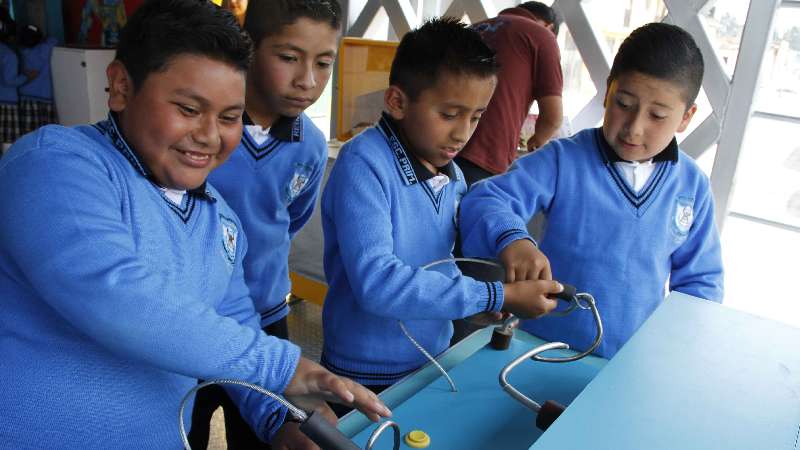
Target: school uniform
(384, 216)
(623, 246)
(106, 279)
(10, 79)
(36, 106)
(272, 181)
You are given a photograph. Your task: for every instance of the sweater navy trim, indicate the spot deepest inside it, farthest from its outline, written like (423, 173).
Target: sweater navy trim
(274, 310)
(364, 375)
(643, 197)
(492, 290)
(288, 129)
(272, 419)
(110, 129)
(508, 233)
(285, 129)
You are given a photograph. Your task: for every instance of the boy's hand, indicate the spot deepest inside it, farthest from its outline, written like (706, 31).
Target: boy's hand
(528, 299)
(311, 379)
(523, 261)
(289, 436)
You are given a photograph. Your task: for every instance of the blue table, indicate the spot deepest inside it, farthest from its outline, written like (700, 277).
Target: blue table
(697, 375)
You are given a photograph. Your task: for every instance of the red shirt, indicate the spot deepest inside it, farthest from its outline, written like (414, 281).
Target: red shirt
(530, 68)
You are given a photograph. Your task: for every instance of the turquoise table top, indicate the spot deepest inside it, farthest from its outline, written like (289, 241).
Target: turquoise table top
(480, 415)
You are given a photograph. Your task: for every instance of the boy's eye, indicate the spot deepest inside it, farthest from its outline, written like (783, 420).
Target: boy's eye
(622, 104)
(287, 58)
(188, 110)
(448, 116)
(324, 64)
(231, 118)
(658, 117)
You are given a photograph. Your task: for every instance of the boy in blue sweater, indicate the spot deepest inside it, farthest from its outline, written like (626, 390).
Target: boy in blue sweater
(629, 215)
(273, 178)
(114, 252)
(12, 76)
(389, 208)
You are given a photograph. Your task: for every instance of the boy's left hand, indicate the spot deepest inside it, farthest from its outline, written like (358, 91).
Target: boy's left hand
(523, 261)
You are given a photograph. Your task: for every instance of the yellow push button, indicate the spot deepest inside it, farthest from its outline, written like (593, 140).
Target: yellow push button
(417, 439)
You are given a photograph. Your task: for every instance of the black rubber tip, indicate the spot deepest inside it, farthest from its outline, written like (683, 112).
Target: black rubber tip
(568, 292)
(325, 435)
(501, 339)
(548, 414)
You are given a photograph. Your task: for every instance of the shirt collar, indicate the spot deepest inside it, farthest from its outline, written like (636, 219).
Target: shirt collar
(670, 152)
(285, 128)
(411, 168)
(110, 128)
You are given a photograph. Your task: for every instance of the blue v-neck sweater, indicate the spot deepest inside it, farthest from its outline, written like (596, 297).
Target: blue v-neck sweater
(273, 187)
(382, 221)
(623, 247)
(115, 301)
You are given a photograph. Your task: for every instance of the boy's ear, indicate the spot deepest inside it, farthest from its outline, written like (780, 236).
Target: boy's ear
(687, 117)
(120, 86)
(396, 102)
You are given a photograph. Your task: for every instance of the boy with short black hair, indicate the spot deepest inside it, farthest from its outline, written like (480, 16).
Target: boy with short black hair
(115, 252)
(627, 211)
(272, 179)
(389, 208)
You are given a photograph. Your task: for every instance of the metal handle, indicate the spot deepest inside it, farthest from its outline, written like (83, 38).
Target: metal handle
(511, 390)
(579, 301)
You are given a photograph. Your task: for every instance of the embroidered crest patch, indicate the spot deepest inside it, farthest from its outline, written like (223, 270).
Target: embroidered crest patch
(229, 235)
(302, 174)
(684, 216)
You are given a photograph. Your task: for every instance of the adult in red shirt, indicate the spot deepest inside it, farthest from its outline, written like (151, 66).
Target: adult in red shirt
(530, 69)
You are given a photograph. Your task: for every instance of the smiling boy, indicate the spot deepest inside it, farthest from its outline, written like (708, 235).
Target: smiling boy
(115, 251)
(272, 179)
(389, 208)
(629, 215)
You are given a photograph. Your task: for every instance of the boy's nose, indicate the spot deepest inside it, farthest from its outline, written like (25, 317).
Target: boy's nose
(306, 79)
(462, 131)
(636, 125)
(207, 132)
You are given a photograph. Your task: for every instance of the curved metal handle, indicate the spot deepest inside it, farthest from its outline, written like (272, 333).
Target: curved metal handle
(511, 390)
(373, 438)
(579, 301)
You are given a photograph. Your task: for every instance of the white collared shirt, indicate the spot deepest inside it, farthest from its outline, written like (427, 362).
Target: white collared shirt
(174, 195)
(258, 133)
(636, 173)
(438, 182)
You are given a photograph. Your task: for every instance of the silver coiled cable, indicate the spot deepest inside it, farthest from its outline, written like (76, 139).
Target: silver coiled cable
(414, 341)
(298, 413)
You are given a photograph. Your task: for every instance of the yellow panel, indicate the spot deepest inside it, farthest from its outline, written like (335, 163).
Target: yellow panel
(364, 66)
(308, 289)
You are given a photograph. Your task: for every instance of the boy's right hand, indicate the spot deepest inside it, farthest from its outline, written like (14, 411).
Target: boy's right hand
(311, 379)
(523, 261)
(528, 299)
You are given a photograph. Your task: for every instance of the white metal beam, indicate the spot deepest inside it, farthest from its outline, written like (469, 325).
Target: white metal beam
(755, 38)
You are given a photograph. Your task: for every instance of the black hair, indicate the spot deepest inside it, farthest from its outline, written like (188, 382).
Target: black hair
(442, 45)
(266, 18)
(160, 30)
(8, 27)
(663, 51)
(30, 36)
(544, 12)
